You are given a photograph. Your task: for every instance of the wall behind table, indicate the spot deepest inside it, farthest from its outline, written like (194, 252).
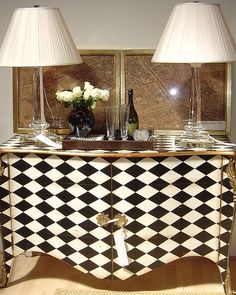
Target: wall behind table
(106, 24)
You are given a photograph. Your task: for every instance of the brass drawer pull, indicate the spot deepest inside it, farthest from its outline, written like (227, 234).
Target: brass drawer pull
(120, 220)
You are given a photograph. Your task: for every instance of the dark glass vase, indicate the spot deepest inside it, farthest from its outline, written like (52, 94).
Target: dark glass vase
(81, 121)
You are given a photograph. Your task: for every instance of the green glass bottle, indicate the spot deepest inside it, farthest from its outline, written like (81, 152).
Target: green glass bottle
(133, 116)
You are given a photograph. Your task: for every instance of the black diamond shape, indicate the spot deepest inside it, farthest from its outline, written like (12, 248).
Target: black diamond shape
(88, 225)
(134, 199)
(182, 183)
(225, 237)
(159, 198)
(88, 252)
(157, 252)
(227, 210)
(203, 250)
(224, 250)
(66, 237)
(155, 264)
(43, 167)
(134, 267)
(135, 170)
(66, 249)
(226, 224)
(205, 182)
(204, 222)
(158, 212)
(64, 182)
(228, 196)
(203, 236)
(87, 170)
(135, 213)
(182, 197)
(158, 239)
(23, 192)
(65, 196)
(65, 168)
(43, 180)
(88, 212)
(89, 265)
(45, 221)
(183, 168)
(66, 210)
(180, 251)
(204, 196)
(204, 209)
(134, 226)
(46, 247)
(181, 210)
(24, 218)
(21, 165)
(134, 240)
(44, 194)
(22, 179)
(23, 205)
(158, 225)
(66, 223)
(89, 239)
(159, 170)
(180, 237)
(206, 168)
(180, 224)
(45, 234)
(87, 183)
(44, 207)
(25, 244)
(24, 232)
(135, 185)
(159, 184)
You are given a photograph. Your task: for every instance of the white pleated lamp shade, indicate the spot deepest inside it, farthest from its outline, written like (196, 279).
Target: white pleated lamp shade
(38, 37)
(195, 33)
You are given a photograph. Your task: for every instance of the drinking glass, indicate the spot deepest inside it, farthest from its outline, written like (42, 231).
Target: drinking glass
(124, 120)
(111, 115)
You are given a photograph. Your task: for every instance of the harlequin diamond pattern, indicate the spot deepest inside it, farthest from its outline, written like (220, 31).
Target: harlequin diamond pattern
(173, 206)
(176, 206)
(55, 203)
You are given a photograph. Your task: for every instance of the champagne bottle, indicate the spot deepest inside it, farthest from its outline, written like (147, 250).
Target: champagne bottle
(133, 116)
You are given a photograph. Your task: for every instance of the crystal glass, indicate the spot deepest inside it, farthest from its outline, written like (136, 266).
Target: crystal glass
(124, 120)
(111, 118)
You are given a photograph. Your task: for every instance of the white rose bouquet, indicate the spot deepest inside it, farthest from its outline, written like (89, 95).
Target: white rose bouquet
(87, 97)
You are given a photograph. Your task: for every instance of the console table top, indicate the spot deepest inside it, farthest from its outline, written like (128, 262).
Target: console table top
(163, 146)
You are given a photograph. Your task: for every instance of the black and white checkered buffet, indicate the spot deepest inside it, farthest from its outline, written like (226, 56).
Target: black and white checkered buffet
(176, 206)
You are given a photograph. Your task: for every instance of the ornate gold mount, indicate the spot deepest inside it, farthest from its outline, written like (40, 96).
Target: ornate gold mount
(230, 170)
(1, 168)
(120, 220)
(3, 279)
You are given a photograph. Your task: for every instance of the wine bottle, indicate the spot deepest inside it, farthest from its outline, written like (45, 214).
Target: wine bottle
(133, 116)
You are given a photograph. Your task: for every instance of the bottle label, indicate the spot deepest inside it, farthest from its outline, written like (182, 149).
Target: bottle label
(131, 128)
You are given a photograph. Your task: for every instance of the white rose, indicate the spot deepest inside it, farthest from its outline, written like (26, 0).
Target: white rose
(104, 95)
(88, 85)
(59, 95)
(87, 92)
(95, 93)
(77, 91)
(68, 96)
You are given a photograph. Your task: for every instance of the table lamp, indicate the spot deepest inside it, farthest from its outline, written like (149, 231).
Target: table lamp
(38, 37)
(195, 33)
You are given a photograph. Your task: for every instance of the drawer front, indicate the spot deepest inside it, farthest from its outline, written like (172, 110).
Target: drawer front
(173, 206)
(55, 201)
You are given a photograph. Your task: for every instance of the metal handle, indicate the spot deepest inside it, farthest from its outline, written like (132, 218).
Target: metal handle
(120, 220)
